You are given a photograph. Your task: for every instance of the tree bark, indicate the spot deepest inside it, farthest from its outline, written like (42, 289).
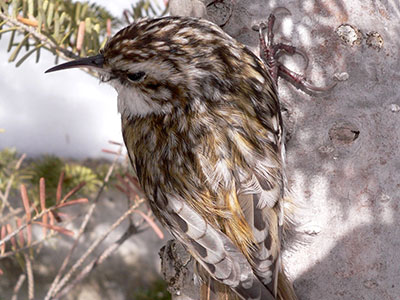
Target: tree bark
(343, 145)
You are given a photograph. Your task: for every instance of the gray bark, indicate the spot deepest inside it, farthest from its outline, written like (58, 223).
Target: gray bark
(343, 145)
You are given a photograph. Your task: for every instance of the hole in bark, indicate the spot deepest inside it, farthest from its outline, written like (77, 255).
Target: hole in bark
(343, 134)
(356, 134)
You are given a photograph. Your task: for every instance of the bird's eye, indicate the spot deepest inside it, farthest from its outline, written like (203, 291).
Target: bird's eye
(136, 76)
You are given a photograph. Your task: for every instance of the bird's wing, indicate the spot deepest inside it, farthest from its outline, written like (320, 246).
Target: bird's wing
(213, 250)
(258, 199)
(259, 174)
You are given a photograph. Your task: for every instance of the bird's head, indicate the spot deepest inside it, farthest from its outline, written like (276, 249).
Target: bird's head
(159, 64)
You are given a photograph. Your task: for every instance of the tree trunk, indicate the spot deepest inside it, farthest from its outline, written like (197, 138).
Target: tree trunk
(343, 145)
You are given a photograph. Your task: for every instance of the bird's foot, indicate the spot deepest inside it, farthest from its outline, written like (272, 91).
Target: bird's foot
(270, 53)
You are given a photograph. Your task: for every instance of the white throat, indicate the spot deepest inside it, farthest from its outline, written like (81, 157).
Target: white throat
(132, 102)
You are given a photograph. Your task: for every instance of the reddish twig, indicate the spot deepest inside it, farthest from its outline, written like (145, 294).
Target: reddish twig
(28, 223)
(59, 187)
(34, 244)
(81, 35)
(94, 245)
(106, 253)
(2, 236)
(73, 202)
(56, 228)
(108, 27)
(25, 201)
(42, 197)
(152, 224)
(115, 143)
(73, 191)
(109, 151)
(55, 284)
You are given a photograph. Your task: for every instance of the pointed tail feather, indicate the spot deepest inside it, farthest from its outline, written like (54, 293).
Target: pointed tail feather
(285, 288)
(213, 290)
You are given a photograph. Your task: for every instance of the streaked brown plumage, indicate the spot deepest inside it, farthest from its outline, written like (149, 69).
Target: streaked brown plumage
(202, 125)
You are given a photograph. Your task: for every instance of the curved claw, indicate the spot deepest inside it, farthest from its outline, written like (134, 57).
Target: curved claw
(270, 52)
(302, 54)
(281, 10)
(300, 81)
(282, 49)
(259, 27)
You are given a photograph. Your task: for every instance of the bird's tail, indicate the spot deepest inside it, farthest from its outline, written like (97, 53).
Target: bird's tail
(213, 290)
(285, 288)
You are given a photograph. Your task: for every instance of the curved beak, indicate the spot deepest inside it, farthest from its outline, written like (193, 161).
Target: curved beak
(95, 61)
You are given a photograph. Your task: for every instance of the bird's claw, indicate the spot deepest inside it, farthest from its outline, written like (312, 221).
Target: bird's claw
(270, 53)
(259, 28)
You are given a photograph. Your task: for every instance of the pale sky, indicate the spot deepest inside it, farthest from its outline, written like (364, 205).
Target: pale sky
(66, 113)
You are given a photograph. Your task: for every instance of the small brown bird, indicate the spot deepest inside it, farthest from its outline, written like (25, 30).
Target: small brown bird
(202, 124)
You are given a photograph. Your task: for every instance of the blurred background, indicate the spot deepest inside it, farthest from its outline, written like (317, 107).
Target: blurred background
(73, 224)
(68, 114)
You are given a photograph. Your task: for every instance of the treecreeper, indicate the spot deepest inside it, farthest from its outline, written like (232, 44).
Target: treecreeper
(202, 124)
